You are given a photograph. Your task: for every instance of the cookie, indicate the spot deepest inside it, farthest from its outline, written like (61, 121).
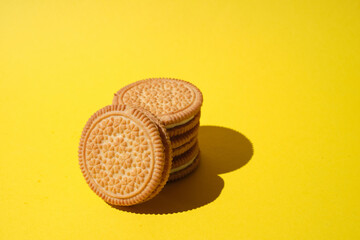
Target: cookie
(175, 102)
(179, 140)
(186, 171)
(182, 160)
(183, 148)
(124, 155)
(168, 153)
(184, 127)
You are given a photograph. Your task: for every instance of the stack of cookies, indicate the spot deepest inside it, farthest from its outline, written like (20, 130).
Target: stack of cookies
(177, 105)
(129, 150)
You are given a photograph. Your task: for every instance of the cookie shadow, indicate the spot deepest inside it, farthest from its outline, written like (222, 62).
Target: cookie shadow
(222, 150)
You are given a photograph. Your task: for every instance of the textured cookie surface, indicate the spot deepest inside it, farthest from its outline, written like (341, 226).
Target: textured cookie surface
(171, 100)
(122, 155)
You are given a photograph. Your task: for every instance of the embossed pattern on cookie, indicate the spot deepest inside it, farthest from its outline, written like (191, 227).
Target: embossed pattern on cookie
(171, 100)
(122, 155)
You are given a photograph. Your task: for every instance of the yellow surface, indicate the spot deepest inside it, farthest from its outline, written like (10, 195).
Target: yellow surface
(281, 77)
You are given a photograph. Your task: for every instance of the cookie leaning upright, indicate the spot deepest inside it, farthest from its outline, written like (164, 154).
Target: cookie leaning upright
(176, 103)
(124, 155)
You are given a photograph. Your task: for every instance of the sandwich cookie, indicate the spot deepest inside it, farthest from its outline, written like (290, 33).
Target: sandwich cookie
(178, 130)
(185, 159)
(183, 148)
(174, 102)
(185, 164)
(179, 140)
(125, 155)
(186, 170)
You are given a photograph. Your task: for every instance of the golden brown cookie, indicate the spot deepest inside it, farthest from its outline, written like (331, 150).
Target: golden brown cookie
(168, 153)
(124, 155)
(186, 171)
(179, 140)
(173, 101)
(184, 127)
(183, 148)
(184, 159)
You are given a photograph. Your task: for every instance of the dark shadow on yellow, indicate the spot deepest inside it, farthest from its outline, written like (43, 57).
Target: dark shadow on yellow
(222, 150)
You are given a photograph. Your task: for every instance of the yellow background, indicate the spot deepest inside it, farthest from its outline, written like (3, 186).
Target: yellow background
(282, 74)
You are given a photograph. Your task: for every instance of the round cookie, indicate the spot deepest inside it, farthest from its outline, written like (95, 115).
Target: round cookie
(184, 127)
(124, 155)
(186, 171)
(179, 140)
(173, 101)
(183, 148)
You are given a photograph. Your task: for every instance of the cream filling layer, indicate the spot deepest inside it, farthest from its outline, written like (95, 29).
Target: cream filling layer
(183, 166)
(179, 123)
